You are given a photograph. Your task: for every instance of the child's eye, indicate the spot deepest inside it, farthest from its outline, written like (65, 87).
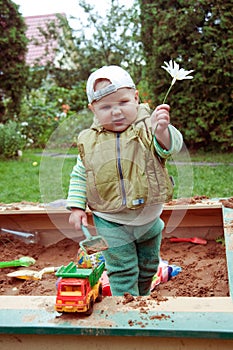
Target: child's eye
(105, 107)
(124, 102)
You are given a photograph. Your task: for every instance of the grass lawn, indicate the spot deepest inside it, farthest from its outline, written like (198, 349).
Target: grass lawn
(44, 179)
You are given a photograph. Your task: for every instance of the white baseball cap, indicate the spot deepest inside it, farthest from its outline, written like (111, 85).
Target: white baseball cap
(117, 76)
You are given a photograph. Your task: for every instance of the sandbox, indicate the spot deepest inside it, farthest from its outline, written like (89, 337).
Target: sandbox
(168, 322)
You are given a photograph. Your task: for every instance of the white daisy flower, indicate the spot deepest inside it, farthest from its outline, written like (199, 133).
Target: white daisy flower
(176, 73)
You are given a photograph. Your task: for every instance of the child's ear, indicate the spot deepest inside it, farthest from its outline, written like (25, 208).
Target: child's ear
(91, 107)
(136, 96)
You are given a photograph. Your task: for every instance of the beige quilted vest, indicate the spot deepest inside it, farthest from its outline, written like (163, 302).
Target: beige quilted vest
(123, 169)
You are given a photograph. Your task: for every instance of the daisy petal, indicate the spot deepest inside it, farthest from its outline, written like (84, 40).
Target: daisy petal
(175, 71)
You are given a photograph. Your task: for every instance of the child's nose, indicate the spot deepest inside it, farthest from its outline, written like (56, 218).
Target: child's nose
(116, 110)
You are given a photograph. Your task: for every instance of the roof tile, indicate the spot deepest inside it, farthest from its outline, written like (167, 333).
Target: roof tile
(39, 51)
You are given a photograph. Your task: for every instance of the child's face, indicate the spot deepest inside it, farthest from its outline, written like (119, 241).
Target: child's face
(115, 112)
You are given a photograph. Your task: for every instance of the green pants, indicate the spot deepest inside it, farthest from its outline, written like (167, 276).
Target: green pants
(133, 255)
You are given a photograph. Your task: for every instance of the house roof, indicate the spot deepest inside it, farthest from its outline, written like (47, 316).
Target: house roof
(40, 51)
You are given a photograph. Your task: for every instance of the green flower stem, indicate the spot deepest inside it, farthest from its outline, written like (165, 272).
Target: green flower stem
(167, 93)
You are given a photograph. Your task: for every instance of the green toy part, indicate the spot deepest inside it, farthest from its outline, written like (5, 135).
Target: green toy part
(23, 261)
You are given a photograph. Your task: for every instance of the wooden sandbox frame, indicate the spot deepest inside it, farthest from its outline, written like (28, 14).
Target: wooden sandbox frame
(181, 322)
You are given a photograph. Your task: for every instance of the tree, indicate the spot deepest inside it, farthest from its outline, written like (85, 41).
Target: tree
(197, 35)
(103, 40)
(13, 71)
(110, 39)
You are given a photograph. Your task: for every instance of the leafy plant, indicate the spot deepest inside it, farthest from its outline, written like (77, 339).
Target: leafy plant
(45, 108)
(12, 140)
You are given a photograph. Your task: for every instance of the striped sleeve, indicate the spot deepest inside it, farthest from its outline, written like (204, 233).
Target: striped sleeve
(176, 143)
(77, 188)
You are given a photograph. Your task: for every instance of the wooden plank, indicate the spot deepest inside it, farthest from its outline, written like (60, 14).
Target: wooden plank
(195, 216)
(185, 221)
(90, 342)
(51, 226)
(173, 318)
(37, 220)
(170, 304)
(198, 220)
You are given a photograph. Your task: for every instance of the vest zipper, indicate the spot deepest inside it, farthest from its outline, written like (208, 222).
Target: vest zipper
(120, 169)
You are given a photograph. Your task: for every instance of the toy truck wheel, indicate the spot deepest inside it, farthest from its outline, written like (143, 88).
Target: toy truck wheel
(100, 294)
(90, 308)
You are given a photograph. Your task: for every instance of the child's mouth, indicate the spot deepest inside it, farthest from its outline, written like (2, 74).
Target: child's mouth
(119, 121)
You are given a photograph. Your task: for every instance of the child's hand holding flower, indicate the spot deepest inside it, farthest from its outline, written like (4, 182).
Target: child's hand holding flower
(160, 119)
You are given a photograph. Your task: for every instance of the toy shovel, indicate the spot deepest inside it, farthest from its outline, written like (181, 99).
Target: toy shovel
(32, 275)
(196, 240)
(23, 261)
(92, 244)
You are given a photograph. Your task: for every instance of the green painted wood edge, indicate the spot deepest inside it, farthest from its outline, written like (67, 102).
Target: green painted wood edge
(209, 325)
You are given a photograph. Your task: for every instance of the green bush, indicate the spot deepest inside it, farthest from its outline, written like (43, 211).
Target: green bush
(65, 135)
(45, 108)
(12, 140)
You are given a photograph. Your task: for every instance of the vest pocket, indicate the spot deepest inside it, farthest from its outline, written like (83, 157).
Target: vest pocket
(104, 196)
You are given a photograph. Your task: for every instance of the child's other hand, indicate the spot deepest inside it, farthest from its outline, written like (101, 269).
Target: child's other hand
(77, 218)
(160, 119)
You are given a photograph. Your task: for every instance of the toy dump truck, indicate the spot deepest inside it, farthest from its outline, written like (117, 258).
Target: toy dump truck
(78, 288)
